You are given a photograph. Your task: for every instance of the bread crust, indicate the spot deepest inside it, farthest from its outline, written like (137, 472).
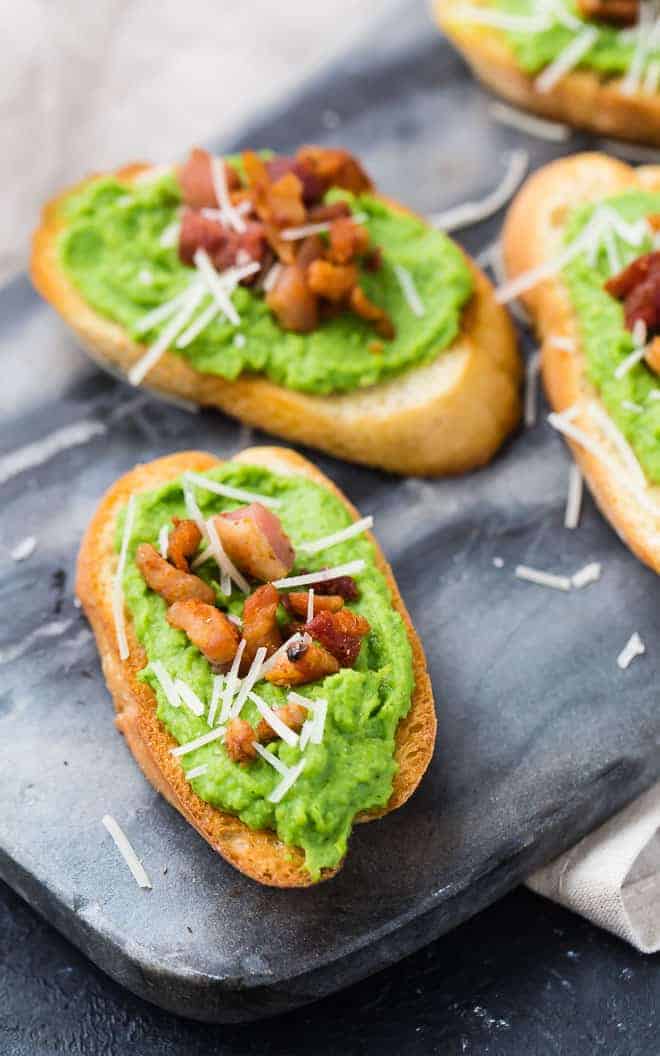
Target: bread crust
(443, 418)
(532, 235)
(581, 98)
(258, 854)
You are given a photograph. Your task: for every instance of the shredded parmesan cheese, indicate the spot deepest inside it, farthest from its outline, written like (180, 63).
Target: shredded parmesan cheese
(357, 528)
(232, 683)
(218, 682)
(197, 771)
(485, 16)
(407, 284)
(272, 277)
(567, 344)
(567, 60)
(273, 720)
(215, 286)
(252, 677)
(199, 742)
(574, 497)
(124, 847)
(287, 782)
(226, 565)
(533, 126)
(313, 727)
(230, 493)
(170, 235)
(629, 362)
(617, 439)
(352, 568)
(117, 586)
(189, 697)
(542, 579)
(24, 549)
(589, 574)
(271, 758)
(219, 176)
(633, 647)
(139, 370)
(292, 234)
(167, 684)
(164, 540)
(473, 212)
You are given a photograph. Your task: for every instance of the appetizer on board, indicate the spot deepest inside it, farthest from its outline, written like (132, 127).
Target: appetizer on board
(264, 669)
(594, 64)
(288, 293)
(581, 250)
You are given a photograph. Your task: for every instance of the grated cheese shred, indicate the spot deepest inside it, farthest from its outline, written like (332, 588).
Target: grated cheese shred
(125, 848)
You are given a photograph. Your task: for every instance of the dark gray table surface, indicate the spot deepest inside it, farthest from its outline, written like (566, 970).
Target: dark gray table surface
(537, 746)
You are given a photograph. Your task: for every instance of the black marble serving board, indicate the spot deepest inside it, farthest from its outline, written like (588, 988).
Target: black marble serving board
(540, 735)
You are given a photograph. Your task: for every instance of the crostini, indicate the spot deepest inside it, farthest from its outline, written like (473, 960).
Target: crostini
(264, 669)
(286, 292)
(581, 250)
(594, 64)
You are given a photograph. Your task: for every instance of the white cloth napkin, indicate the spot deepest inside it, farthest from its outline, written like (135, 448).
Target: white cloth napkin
(612, 877)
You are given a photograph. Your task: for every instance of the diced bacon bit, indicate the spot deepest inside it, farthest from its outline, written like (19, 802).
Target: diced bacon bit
(291, 301)
(366, 309)
(260, 626)
(302, 663)
(310, 249)
(638, 286)
(347, 240)
(280, 203)
(335, 168)
(226, 248)
(312, 188)
(619, 12)
(254, 539)
(172, 584)
(207, 628)
(332, 281)
(341, 633)
(320, 214)
(239, 741)
(182, 543)
(196, 180)
(292, 715)
(297, 603)
(652, 355)
(654, 221)
(373, 260)
(344, 586)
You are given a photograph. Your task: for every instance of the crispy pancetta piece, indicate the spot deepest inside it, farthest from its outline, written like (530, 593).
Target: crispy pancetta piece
(292, 302)
(196, 180)
(225, 247)
(292, 715)
(619, 12)
(332, 281)
(182, 543)
(335, 168)
(256, 542)
(302, 663)
(209, 629)
(239, 741)
(653, 355)
(638, 286)
(347, 240)
(341, 633)
(297, 603)
(172, 584)
(260, 626)
(312, 188)
(366, 309)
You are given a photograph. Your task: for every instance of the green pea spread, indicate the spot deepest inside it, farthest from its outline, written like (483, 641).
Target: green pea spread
(610, 54)
(112, 250)
(351, 770)
(607, 342)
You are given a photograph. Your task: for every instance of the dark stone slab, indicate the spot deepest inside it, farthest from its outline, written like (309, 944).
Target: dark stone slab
(540, 735)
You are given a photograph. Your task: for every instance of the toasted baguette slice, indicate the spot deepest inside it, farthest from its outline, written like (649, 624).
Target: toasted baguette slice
(532, 236)
(582, 98)
(258, 854)
(446, 417)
